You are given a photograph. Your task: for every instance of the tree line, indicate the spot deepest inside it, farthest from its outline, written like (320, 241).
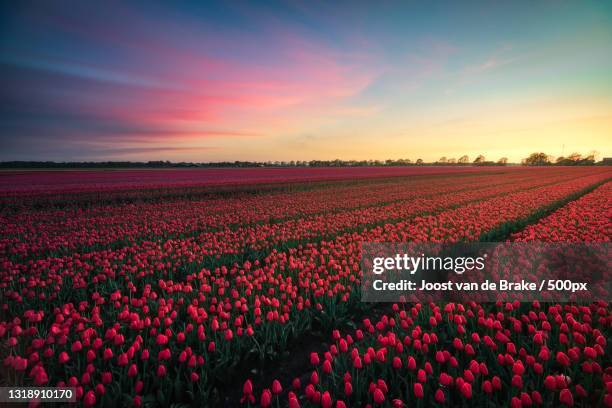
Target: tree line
(574, 159)
(535, 159)
(291, 163)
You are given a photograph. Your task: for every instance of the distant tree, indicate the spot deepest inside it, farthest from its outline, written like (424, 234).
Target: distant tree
(479, 160)
(419, 161)
(594, 154)
(452, 160)
(589, 160)
(442, 160)
(503, 160)
(574, 157)
(464, 159)
(565, 161)
(537, 159)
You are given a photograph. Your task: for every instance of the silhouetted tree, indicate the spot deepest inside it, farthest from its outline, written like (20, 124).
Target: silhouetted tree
(589, 160)
(464, 159)
(537, 159)
(480, 159)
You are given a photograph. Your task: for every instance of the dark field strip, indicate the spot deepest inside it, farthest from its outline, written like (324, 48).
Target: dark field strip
(59, 216)
(153, 237)
(51, 222)
(116, 245)
(333, 190)
(11, 202)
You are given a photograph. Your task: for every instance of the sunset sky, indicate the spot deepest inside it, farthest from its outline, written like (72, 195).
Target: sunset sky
(197, 81)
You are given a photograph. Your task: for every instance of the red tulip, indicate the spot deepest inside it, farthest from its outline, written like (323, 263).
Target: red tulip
(348, 389)
(276, 387)
(379, 396)
(418, 390)
(466, 390)
(314, 378)
(397, 363)
(63, 357)
(326, 400)
(132, 371)
(563, 359)
(439, 396)
(550, 382)
(566, 398)
(161, 370)
(228, 335)
(266, 398)
(411, 363)
(293, 402)
(487, 387)
(90, 399)
(590, 352)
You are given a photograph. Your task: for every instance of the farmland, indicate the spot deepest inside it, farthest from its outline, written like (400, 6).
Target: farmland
(242, 287)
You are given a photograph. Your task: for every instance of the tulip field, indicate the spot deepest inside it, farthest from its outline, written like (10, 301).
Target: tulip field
(241, 287)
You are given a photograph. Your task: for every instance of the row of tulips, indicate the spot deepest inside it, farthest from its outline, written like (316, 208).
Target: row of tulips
(588, 219)
(123, 182)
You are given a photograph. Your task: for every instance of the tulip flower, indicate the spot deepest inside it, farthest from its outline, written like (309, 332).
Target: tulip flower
(326, 400)
(63, 357)
(418, 390)
(161, 370)
(566, 398)
(276, 387)
(90, 399)
(266, 398)
(466, 390)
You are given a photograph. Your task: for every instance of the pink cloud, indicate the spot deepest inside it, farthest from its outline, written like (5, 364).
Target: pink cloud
(168, 89)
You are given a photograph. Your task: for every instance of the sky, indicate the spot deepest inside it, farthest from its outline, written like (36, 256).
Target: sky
(202, 81)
